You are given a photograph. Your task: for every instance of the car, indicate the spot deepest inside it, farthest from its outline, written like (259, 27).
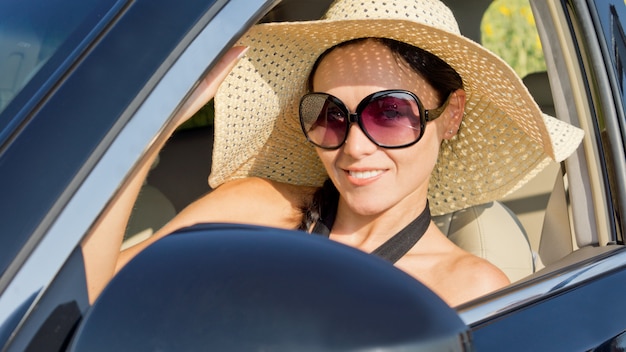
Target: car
(88, 88)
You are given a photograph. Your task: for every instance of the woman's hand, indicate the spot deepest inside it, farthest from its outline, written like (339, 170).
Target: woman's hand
(207, 87)
(101, 248)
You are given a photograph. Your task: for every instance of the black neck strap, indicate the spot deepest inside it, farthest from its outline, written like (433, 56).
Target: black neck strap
(395, 247)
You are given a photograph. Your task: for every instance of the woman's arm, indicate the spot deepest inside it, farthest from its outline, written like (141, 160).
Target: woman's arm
(251, 200)
(101, 248)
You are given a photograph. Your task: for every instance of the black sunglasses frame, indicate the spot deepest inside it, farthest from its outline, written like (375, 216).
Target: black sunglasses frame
(425, 116)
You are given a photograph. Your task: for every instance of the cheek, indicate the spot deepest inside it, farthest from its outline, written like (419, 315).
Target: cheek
(327, 157)
(421, 157)
(437, 129)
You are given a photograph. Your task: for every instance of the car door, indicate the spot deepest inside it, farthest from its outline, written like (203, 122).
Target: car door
(73, 131)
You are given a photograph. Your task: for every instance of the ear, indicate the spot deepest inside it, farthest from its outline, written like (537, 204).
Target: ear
(454, 113)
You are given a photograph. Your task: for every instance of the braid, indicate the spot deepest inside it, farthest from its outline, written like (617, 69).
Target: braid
(324, 199)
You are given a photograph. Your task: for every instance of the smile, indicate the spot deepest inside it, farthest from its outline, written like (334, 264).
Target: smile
(365, 174)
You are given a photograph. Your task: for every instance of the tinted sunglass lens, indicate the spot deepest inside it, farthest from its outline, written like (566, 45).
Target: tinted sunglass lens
(323, 120)
(392, 119)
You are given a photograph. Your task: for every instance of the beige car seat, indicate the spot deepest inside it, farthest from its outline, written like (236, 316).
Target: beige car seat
(151, 211)
(491, 231)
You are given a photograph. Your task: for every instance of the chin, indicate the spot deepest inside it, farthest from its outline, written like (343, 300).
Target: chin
(367, 208)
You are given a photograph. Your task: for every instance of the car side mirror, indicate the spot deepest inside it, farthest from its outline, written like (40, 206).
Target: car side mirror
(221, 287)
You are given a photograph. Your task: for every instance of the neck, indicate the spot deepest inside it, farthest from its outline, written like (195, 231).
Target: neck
(368, 231)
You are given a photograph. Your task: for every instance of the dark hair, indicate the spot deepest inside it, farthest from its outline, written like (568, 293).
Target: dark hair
(441, 76)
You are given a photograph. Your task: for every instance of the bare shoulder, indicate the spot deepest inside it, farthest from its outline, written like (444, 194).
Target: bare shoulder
(481, 276)
(464, 276)
(454, 274)
(255, 191)
(256, 186)
(250, 200)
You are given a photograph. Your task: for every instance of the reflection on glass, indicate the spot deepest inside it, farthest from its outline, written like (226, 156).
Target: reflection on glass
(31, 32)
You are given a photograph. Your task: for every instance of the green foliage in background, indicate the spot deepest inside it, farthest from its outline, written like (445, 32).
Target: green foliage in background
(508, 29)
(202, 118)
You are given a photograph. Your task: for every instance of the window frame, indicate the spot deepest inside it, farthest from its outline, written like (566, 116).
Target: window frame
(93, 191)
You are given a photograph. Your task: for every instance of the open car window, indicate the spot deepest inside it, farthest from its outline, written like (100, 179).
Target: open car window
(554, 241)
(507, 27)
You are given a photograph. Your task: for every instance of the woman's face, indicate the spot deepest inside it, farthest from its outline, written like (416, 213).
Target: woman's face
(372, 179)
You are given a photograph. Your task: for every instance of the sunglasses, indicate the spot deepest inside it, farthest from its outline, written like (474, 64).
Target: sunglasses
(389, 118)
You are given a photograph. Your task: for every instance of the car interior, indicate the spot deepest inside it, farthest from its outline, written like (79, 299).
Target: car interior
(514, 233)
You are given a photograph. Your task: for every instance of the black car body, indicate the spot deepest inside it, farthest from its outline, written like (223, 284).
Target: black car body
(86, 88)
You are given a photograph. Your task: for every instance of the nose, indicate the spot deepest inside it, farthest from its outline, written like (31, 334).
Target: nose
(357, 144)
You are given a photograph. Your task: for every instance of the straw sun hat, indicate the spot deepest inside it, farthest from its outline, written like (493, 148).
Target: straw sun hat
(504, 139)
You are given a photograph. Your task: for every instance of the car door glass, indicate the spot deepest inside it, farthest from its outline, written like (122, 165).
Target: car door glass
(612, 14)
(30, 39)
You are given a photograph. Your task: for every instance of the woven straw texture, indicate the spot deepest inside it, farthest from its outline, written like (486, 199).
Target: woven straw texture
(504, 139)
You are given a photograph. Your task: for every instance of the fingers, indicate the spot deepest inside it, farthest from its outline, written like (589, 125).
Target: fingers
(223, 68)
(207, 87)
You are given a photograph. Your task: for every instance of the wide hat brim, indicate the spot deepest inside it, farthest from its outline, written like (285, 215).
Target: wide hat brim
(504, 139)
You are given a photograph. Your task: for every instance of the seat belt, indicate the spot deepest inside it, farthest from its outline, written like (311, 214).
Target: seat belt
(556, 235)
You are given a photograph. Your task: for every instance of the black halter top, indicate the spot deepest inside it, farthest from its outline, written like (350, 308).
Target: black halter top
(395, 247)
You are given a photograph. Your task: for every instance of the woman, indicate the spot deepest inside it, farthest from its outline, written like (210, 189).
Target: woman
(403, 115)
(382, 190)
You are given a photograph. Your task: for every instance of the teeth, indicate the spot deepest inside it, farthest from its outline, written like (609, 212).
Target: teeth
(365, 174)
